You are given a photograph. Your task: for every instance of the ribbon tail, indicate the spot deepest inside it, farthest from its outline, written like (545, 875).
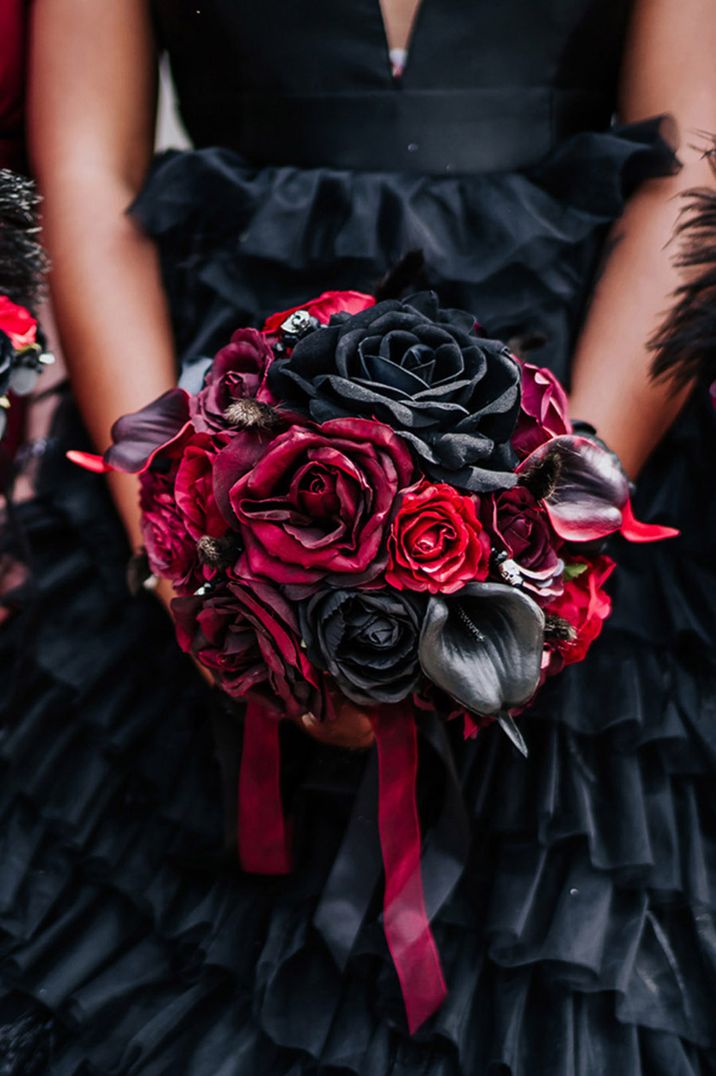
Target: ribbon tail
(635, 531)
(355, 875)
(407, 927)
(263, 837)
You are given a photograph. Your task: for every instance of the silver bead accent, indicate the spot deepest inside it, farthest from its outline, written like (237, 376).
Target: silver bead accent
(510, 571)
(297, 324)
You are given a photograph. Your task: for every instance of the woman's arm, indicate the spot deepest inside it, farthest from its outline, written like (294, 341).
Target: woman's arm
(669, 67)
(91, 131)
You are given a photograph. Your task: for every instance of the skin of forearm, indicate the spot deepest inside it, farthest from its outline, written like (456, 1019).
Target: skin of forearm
(111, 310)
(611, 384)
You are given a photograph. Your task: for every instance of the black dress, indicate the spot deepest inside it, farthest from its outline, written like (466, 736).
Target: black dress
(579, 939)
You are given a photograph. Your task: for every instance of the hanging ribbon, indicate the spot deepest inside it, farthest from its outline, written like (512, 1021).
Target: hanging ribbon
(407, 927)
(263, 836)
(357, 871)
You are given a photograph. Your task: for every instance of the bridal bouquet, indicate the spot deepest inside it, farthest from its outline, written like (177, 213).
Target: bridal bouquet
(376, 501)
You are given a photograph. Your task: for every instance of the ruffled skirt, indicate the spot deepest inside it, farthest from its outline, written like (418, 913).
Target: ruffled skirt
(580, 938)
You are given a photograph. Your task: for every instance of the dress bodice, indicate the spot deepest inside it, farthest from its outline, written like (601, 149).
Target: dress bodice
(487, 86)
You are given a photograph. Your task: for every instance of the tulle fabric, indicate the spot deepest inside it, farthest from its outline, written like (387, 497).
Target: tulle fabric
(580, 939)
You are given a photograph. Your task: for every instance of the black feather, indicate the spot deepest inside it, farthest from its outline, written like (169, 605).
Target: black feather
(686, 342)
(22, 259)
(557, 629)
(404, 278)
(543, 477)
(218, 552)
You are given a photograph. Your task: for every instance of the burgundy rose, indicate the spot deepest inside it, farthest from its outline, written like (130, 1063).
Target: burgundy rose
(171, 550)
(323, 308)
(544, 410)
(317, 505)
(194, 486)
(237, 373)
(249, 639)
(585, 605)
(437, 543)
(522, 530)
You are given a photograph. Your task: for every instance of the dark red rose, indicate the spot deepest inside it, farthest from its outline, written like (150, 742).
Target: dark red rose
(237, 373)
(317, 506)
(323, 308)
(585, 605)
(18, 324)
(437, 543)
(521, 528)
(171, 550)
(249, 639)
(544, 410)
(194, 486)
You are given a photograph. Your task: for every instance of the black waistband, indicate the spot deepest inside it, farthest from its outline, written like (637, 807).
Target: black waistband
(437, 132)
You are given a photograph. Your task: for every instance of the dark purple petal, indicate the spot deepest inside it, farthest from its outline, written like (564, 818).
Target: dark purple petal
(591, 488)
(139, 437)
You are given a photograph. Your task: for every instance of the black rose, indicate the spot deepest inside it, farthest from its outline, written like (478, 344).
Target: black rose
(7, 355)
(422, 371)
(367, 641)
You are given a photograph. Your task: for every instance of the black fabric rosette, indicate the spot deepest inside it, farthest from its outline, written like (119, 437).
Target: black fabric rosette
(425, 372)
(366, 640)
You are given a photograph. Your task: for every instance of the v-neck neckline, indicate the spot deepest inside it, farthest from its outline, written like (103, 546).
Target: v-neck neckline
(418, 13)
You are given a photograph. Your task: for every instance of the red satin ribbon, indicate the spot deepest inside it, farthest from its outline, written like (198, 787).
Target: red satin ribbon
(407, 927)
(264, 839)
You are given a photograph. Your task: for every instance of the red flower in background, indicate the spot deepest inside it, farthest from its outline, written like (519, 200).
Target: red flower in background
(585, 605)
(324, 307)
(544, 410)
(17, 323)
(437, 543)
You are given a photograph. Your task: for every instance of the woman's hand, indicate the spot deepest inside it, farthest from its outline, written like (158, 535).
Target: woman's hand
(352, 726)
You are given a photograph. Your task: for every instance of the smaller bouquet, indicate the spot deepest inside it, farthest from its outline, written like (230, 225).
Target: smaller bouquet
(375, 500)
(22, 267)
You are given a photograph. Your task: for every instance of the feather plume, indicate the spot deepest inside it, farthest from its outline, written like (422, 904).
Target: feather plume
(22, 259)
(404, 278)
(685, 344)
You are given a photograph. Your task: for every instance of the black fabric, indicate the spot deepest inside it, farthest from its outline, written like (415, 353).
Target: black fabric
(579, 938)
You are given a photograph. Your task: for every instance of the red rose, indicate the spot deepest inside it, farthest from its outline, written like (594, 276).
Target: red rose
(436, 542)
(249, 639)
(171, 550)
(237, 373)
(522, 529)
(317, 505)
(584, 605)
(194, 486)
(18, 324)
(324, 307)
(544, 410)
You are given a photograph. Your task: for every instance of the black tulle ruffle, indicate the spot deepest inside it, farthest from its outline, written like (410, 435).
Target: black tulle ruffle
(580, 939)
